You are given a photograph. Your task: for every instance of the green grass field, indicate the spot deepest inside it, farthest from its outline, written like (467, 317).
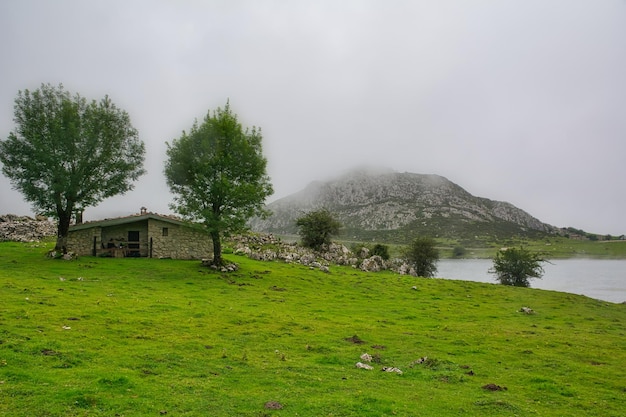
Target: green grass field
(147, 337)
(550, 247)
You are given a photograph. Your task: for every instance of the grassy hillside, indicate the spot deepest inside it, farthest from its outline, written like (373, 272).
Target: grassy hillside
(146, 337)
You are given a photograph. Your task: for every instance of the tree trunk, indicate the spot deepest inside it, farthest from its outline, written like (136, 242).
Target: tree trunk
(217, 248)
(62, 232)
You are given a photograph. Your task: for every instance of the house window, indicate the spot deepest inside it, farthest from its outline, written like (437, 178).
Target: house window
(165, 231)
(133, 236)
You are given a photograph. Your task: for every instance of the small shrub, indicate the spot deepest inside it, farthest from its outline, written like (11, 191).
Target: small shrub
(380, 250)
(458, 251)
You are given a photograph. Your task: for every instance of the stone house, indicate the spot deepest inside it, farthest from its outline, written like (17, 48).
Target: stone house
(142, 235)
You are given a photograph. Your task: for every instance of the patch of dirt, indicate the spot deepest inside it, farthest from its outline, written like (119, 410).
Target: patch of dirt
(273, 405)
(493, 387)
(381, 347)
(355, 339)
(49, 352)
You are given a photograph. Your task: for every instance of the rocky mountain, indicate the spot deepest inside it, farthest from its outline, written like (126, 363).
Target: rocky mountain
(395, 207)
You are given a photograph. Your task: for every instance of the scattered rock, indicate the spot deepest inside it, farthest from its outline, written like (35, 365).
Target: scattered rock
(230, 267)
(419, 361)
(366, 357)
(391, 369)
(373, 264)
(362, 365)
(70, 256)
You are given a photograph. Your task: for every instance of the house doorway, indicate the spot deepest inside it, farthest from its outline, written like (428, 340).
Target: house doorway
(133, 243)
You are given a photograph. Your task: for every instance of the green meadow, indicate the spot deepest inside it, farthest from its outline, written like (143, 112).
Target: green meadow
(551, 247)
(148, 337)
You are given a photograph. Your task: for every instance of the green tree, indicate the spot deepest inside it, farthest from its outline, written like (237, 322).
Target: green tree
(317, 227)
(516, 266)
(217, 173)
(422, 255)
(67, 154)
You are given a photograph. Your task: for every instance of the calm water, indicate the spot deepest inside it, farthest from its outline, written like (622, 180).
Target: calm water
(595, 278)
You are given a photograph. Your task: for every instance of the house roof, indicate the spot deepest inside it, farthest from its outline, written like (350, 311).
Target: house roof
(128, 219)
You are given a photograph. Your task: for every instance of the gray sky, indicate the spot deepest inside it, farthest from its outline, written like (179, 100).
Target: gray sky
(521, 100)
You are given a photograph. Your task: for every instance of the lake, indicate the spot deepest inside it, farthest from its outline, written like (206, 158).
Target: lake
(603, 279)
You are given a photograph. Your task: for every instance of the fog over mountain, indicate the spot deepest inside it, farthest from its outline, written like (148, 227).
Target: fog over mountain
(396, 206)
(519, 100)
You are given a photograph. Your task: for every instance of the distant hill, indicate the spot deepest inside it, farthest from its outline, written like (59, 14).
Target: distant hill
(395, 207)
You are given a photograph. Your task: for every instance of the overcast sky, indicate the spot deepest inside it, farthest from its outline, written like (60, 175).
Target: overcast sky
(522, 101)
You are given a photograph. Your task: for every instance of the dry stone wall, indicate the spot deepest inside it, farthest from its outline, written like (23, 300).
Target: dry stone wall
(266, 247)
(25, 229)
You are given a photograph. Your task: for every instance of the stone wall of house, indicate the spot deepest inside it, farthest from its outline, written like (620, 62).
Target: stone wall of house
(81, 241)
(158, 239)
(177, 241)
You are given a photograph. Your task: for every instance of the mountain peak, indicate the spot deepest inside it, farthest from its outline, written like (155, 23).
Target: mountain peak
(381, 204)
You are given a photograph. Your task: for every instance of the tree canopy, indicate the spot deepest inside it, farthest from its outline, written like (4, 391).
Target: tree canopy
(67, 154)
(217, 173)
(516, 267)
(317, 227)
(422, 255)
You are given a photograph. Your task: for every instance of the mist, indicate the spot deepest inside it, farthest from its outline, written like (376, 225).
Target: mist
(518, 101)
